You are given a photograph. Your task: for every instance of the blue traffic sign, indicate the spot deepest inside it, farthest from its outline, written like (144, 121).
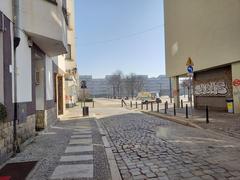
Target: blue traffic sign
(190, 69)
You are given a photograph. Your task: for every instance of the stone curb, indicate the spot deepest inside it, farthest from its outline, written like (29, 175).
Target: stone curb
(176, 119)
(115, 174)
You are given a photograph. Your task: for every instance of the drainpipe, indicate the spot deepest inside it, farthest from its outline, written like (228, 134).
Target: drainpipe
(16, 13)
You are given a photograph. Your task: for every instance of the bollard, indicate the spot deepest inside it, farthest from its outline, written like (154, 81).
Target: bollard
(174, 109)
(166, 104)
(146, 105)
(141, 105)
(131, 104)
(165, 108)
(122, 103)
(181, 103)
(93, 104)
(207, 115)
(186, 111)
(157, 106)
(136, 105)
(152, 106)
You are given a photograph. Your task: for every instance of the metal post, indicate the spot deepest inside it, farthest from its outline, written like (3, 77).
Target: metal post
(165, 107)
(136, 105)
(122, 102)
(174, 109)
(131, 104)
(207, 115)
(170, 86)
(152, 106)
(181, 103)
(190, 84)
(157, 106)
(84, 98)
(141, 105)
(186, 111)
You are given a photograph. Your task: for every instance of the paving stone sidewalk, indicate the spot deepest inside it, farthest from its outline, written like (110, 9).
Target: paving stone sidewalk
(71, 149)
(222, 122)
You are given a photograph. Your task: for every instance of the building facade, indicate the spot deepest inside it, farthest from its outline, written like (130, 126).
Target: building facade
(32, 36)
(102, 88)
(200, 30)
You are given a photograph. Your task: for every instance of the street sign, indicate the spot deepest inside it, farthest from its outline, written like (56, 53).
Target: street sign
(83, 84)
(189, 62)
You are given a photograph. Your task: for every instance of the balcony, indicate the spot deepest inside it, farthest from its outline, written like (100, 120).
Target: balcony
(44, 22)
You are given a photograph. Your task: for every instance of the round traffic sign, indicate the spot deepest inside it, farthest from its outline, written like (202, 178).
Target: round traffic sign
(190, 69)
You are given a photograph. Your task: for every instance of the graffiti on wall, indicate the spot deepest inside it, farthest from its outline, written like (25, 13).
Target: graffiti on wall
(214, 88)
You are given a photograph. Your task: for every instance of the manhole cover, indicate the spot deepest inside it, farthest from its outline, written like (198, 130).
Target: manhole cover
(17, 171)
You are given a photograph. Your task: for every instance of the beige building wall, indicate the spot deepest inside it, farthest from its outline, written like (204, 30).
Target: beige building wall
(208, 31)
(236, 86)
(71, 35)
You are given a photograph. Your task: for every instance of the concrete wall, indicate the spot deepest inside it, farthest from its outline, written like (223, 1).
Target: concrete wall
(236, 86)
(1, 69)
(45, 24)
(49, 78)
(6, 8)
(24, 70)
(205, 30)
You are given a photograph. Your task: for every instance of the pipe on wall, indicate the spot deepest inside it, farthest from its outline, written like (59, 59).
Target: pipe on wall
(17, 39)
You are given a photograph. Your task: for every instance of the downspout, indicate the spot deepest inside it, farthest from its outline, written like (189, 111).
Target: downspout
(16, 21)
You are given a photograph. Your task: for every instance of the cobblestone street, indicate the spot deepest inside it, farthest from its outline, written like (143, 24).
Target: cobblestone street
(146, 147)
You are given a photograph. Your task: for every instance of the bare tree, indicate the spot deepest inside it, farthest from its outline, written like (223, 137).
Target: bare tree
(115, 81)
(130, 84)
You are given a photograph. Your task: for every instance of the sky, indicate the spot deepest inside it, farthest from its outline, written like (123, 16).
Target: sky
(125, 35)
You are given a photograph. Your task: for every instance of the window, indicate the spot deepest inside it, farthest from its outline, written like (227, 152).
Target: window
(64, 10)
(52, 1)
(68, 55)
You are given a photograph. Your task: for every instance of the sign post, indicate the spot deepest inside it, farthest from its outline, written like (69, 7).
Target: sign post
(190, 65)
(83, 87)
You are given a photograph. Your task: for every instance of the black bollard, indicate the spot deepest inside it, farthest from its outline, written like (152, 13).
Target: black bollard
(165, 108)
(141, 105)
(186, 111)
(181, 103)
(131, 104)
(157, 106)
(207, 115)
(136, 105)
(166, 104)
(122, 102)
(152, 106)
(174, 109)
